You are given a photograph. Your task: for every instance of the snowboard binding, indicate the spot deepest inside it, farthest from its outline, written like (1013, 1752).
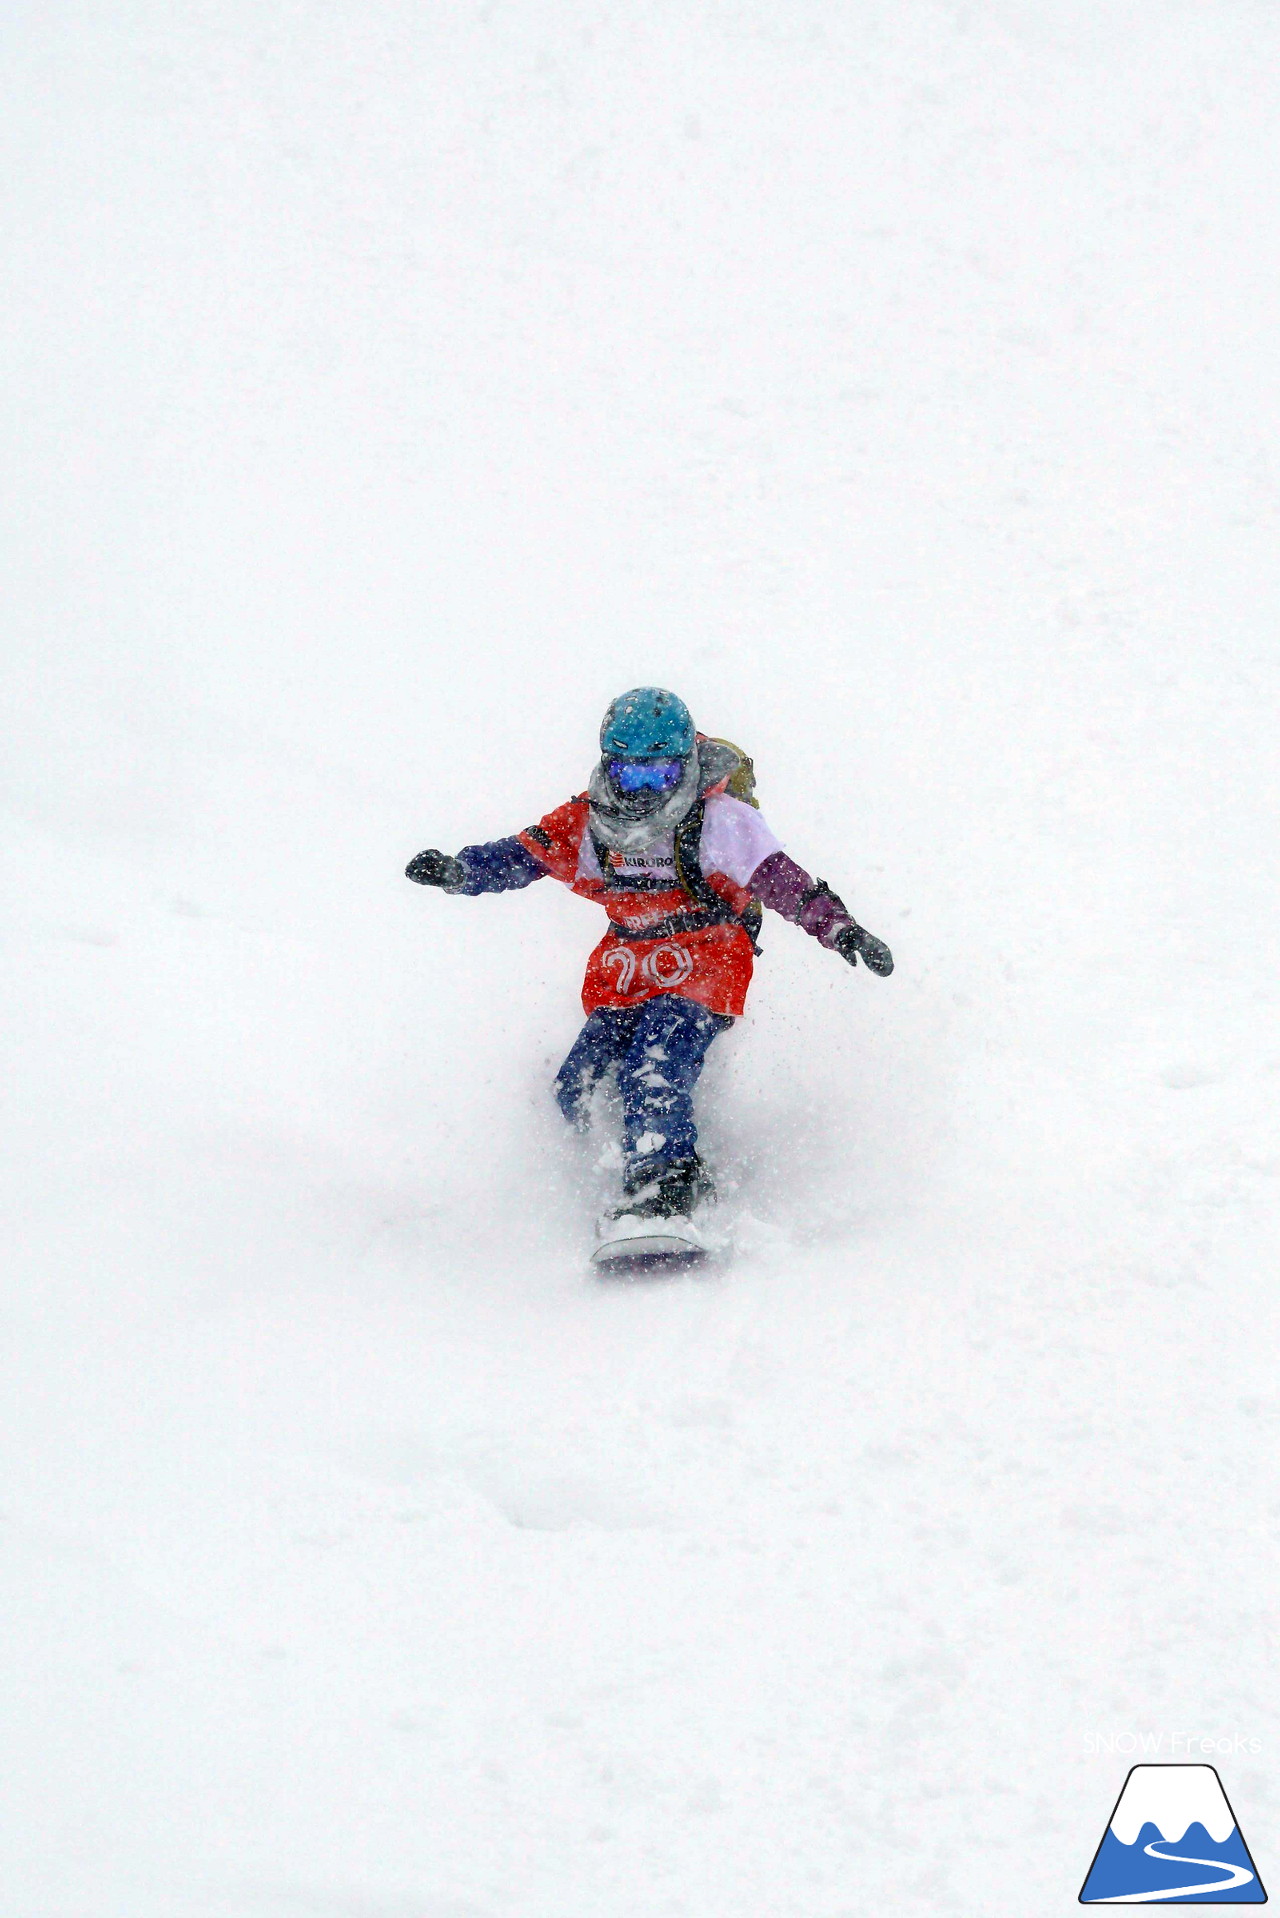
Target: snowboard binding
(653, 1228)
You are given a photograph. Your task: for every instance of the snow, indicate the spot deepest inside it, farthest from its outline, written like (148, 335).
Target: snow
(387, 387)
(1172, 1797)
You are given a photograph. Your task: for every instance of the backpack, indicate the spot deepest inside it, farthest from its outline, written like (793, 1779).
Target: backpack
(727, 769)
(727, 759)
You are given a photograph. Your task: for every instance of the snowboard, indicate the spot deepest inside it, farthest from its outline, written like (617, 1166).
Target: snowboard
(630, 1245)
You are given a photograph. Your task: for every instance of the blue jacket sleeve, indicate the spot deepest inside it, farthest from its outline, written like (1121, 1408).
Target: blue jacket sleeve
(504, 865)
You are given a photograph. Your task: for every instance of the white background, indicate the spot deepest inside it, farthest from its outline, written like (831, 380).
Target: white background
(386, 386)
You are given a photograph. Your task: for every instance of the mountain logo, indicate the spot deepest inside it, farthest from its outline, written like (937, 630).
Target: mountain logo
(1172, 1840)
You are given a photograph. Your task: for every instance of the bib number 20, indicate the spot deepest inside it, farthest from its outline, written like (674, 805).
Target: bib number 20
(666, 967)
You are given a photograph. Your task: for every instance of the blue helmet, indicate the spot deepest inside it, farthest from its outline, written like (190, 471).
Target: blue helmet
(647, 723)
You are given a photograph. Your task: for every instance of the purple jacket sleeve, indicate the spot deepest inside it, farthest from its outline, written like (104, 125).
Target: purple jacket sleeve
(784, 887)
(504, 865)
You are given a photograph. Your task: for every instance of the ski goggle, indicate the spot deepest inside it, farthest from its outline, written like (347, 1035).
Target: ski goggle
(646, 775)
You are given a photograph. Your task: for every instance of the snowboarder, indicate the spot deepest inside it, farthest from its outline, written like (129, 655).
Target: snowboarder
(668, 838)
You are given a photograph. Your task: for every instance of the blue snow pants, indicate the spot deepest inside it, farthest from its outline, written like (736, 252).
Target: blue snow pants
(659, 1049)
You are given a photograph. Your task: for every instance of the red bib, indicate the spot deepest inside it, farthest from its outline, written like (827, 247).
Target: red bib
(712, 966)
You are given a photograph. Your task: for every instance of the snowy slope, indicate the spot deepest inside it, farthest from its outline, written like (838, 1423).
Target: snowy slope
(388, 386)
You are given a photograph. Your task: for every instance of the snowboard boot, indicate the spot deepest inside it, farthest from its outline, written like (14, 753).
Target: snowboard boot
(665, 1188)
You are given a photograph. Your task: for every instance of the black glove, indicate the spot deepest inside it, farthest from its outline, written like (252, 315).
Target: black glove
(433, 868)
(876, 956)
